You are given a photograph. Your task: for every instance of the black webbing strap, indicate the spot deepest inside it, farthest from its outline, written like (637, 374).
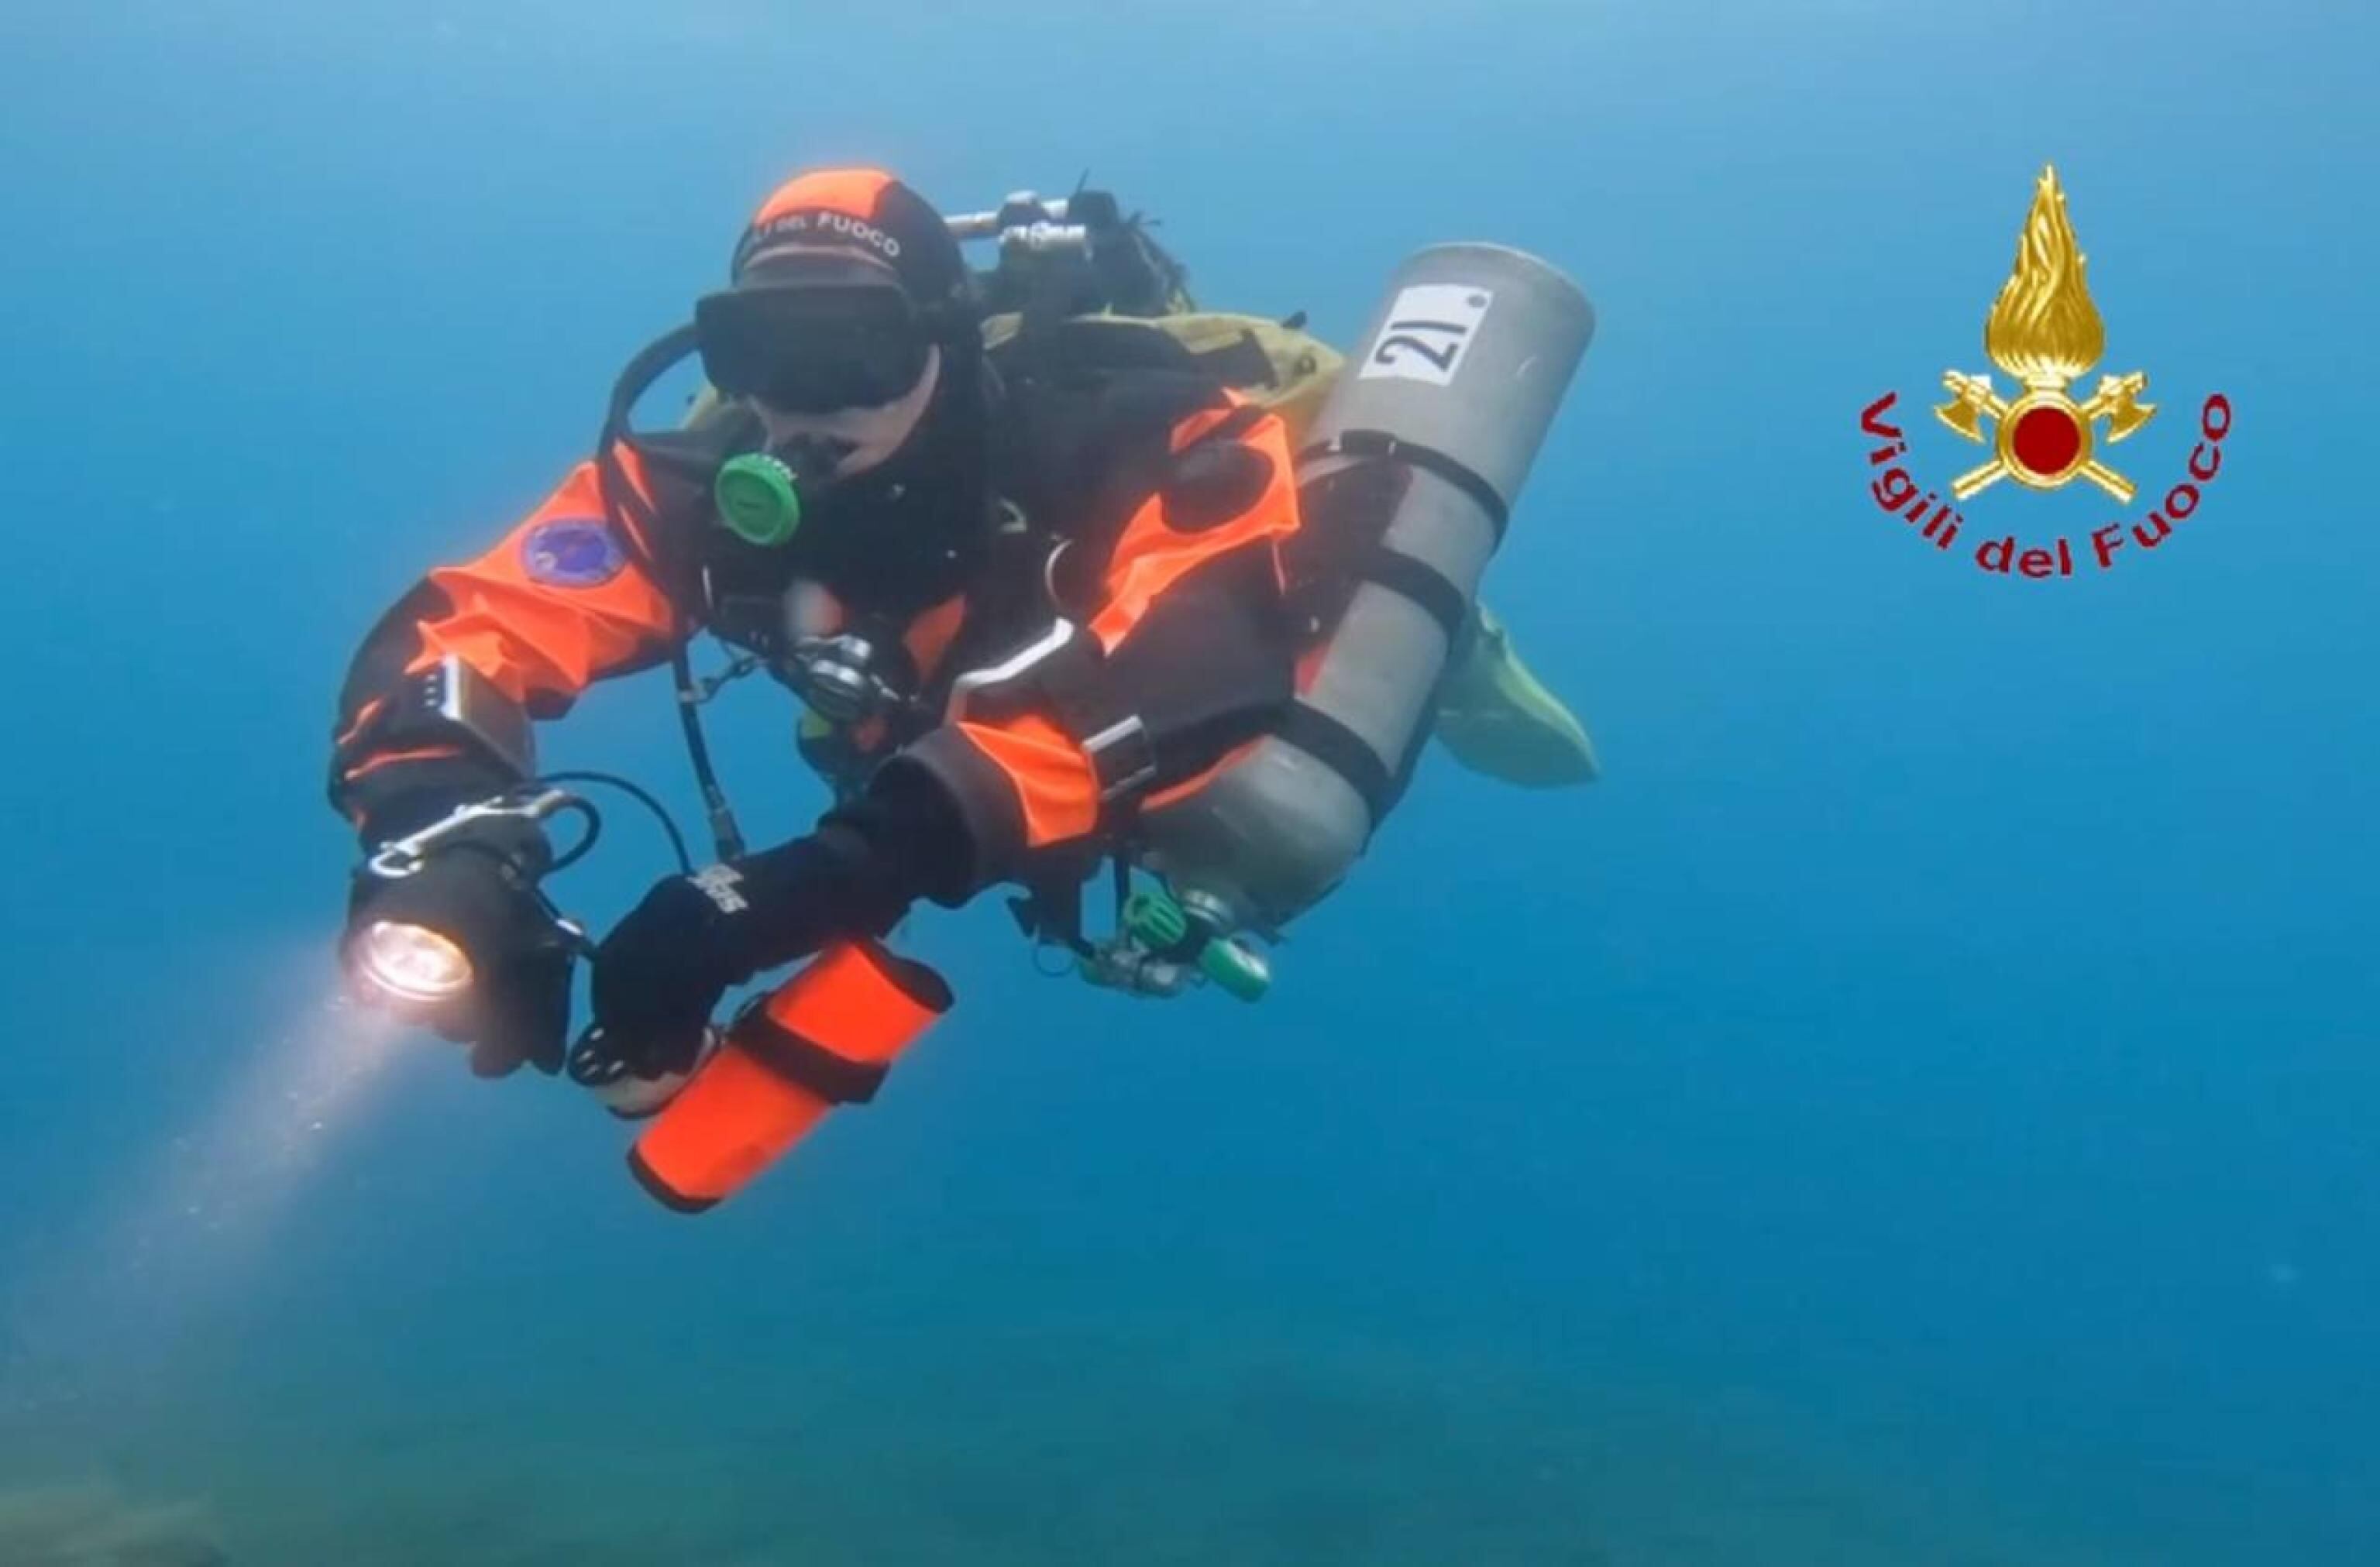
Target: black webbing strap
(806, 1063)
(1051, 910)
(1380, 443)
(620, 497)
(1341, 750)
(1230, 427)
(1239, 363)
(1422, 583)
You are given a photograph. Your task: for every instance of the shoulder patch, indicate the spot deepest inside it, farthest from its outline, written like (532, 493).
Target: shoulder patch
(572, 552)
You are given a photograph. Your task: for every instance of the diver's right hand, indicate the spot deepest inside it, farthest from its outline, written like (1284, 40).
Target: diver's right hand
(478, 894)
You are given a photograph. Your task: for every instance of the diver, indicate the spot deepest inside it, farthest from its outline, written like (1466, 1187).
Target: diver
(1032, 600)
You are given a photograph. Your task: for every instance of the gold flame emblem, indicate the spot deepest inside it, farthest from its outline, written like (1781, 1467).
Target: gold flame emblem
(2044, 331)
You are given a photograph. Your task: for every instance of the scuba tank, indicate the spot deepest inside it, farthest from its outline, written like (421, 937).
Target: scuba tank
(1411, 471)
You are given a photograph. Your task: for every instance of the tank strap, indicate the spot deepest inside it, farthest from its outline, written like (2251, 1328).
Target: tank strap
(1381, 445)
(1423, 583)
(805, 1063)
(1341, 750)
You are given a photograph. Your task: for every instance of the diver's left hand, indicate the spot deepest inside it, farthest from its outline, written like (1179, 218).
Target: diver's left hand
(661, 973)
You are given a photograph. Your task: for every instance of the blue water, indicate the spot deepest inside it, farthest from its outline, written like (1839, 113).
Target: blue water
(1915, 1108)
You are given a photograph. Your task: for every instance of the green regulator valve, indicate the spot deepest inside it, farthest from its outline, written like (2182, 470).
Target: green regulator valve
(1165, 927)
(1155, 921)
(1239, 970)
(757, 499)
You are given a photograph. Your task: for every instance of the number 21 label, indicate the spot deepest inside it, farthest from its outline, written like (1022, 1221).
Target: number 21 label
(1430, 326)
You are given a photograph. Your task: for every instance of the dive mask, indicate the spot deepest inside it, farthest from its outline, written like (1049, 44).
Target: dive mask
(812, 347)
(762, 494)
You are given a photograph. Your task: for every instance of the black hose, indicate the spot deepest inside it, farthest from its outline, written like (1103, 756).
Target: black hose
(639, 794)
(619, 497)
(587, 812)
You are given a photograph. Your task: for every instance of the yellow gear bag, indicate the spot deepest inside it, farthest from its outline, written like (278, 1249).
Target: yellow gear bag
(1279, 367)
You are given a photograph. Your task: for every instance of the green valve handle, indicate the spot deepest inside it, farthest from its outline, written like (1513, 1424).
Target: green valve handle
(1237, 970)
(757, 500)
(1158, 923)
(1155, 921)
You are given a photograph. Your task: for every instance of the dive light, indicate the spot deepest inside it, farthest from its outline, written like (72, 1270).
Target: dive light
(411, 966)
(416, 960)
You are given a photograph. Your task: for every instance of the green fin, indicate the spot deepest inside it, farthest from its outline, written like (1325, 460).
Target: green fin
(1499, 720)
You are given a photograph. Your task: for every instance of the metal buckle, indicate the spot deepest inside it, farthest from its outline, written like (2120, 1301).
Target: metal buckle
(1125, 730)
(402, 857)
(964, 689)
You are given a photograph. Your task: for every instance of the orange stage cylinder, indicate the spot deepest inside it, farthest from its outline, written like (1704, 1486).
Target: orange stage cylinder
(826, 1036)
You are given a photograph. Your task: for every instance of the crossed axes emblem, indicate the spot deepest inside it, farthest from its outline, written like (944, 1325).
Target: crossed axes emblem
(2045, 419)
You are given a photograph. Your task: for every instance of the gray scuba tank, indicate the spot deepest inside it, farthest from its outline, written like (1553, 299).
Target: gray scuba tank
(1415, 462)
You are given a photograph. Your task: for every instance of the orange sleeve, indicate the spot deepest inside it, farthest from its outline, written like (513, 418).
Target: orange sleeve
(558, 603)
(554, 607)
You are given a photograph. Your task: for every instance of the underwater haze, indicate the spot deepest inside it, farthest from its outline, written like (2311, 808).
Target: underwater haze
(1916, 1108)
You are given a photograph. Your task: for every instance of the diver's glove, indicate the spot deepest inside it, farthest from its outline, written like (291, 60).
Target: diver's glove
(477, 889)
(663, 971)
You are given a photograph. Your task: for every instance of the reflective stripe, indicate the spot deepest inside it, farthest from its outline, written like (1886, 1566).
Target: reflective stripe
(1049, 645)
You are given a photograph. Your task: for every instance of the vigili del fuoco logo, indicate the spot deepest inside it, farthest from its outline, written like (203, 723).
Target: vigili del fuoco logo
(2044, 332)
